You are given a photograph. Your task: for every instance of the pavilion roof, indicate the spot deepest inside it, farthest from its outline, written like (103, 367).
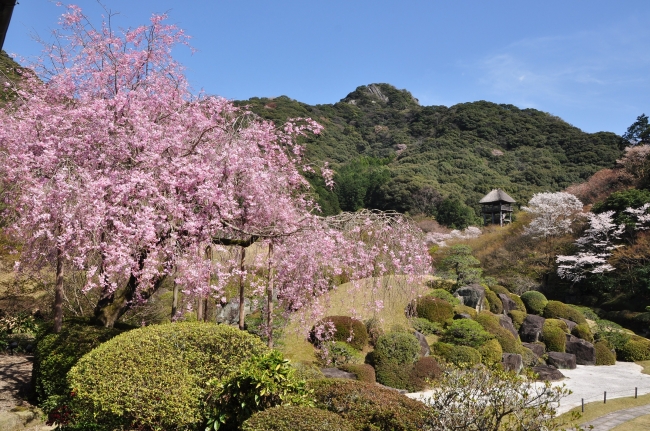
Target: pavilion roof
(496, 195)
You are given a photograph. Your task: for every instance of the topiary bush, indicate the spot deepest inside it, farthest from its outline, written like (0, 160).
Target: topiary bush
(434, 309)
(519, 303)
(517, 317)
(464, 309)
(426, 327)
(496, 306)
(445, 295)
(364, 372)
(337, 353)
(560, 310)
(560, 324)
(291, 418)
(490, 323)
(441, 283)
(423, 371)
(440, 349)
(464, 355)
(56, 354)
(398, 347)
(496, 288)
(534, 301)
(368, 406)
(347, 330)
(465, 332)
(605, 354)
(394, 375)
(155, 377)
(528, 357)
(491, 352)
(636, 349)
(582, 331)
(554, 336)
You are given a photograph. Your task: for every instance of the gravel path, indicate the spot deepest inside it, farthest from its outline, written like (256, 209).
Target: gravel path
(15, 378)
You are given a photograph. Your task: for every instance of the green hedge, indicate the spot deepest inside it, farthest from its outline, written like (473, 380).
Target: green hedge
(423, 371)
(347, 328)
(464, 309)
(369, 407)
(155, 377)
(465, 332)
(534, 301)
(636, 349)
(554, 336)
(496, 306)
(291, 418)
(520, 304)
(398, 347)
(517, 317)
(491, 352)
(458, 355)
(605, 355)
(364, 372)
(499, 289)
(445, 295)
(337, 353)
(582, 331)
(560, 310)
(426, 327)
(434, 309)
(508, 342)
(394, 375)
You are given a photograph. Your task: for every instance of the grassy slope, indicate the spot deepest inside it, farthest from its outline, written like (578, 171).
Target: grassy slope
(642, 423)
(598, 408)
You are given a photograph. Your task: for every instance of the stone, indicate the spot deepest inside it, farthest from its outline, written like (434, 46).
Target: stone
(512, 362)
(506, 322)
(335, 373)
(424, 345)
(585, 351)
(229, 313)
(548, 373)
(462, 316)
(565, 361)
(569, 324)
(538, 349)
(472, 296)
(531, 328)
(508, 304)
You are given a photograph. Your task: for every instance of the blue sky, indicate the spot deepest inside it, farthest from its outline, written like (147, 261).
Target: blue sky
(586, 61)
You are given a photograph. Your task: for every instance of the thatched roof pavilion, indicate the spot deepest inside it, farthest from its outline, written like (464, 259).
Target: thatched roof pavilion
(497, 207)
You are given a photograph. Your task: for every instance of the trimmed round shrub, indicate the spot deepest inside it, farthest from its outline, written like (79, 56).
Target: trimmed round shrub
(534, 301)
(491, 352)
(559, 323)
(337, 353)
(518, 302)
(496, 306)
(426, 327)
(560, 310)
(587, 312)
(440, 349)
(394, 375)
(364, 372)
(508, 342)
(441, 283)
(464, 355)
(605, 354)
(56, 354)
(465, 332)
(423, 371)
(528, 357)
(636, 349)
(517, 317)
(434, 309)
(582, 331)
(307, 371)
(398, 347)
(348, 330)
(497, 288)
(368, 406)
(464, 309)
(291, 418)
(374, 330)
(445, 295)
(554, 336)
(155, 376)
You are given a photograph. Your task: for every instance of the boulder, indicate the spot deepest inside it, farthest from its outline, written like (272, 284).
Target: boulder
(506, 322)
(508, 304)
(549, 373)
(569, 324)
(424, 346)
(335, 373)
(462, 316)
(472, 296)
(538, 349)
(229, 313)
(584, 351)
(531, 328)
(512, 362)
(566, 361)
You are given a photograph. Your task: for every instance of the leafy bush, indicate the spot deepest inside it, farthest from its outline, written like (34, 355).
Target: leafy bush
(440, 349)
(260, 383)
(423, 371)
(520, 304)
(560, 310)
(368, 406)
(605, 355)
(464, 309)
(398, 347)
(442, 283)
(491, 352)
(291, 418)
(612, 332)
(426, 327)
(394, 375)
(374, 330)
(56, 354)
(490, 323)
(337, 353)
(154, 377)
(307, 371)
(582, 331)
(585, 311)
(347, 330)
(554, 336)
(464, 355)
(434, 309)
(465, 332)
(534, 301)
(636, 349)
(496, 288)
(559, 323)
(517, 317)
(528, 357)
(446, 295)
(364, 372)
(496, 306)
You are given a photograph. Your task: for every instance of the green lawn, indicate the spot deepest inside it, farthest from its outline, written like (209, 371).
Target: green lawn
(598, 408)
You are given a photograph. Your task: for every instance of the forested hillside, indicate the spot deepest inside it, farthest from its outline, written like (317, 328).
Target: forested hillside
(392, 153)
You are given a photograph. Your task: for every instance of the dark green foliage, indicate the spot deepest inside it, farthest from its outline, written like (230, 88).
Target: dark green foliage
(291, 418)
(554, 335)
(587, 312)
(337, 353)
(490, 323)
(441, 283)
(517, 317)
(434, 309)
(636, 349)
(260, 383)
(560, 310)
(496, 305)
(453, 213)
(358, 183)
(620, 201)
(56, 354)
(605, 354)
(394, 375)
(463, 355)
(464, 309)
(155, 376)
(441, 349)
(491, 352)
(534, 301)
(520, 304)
(426, 327)
(346, 327)
(399, 347)
(639, 131)
(496, 288)
(465, 332)
(582, 331)
(457, 261)
(368, 406)
(446, 295)
(423, 371)
(611, 332)
(364, 372)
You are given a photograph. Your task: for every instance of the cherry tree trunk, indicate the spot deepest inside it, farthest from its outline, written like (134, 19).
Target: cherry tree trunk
(269, 300)
(242, 311)
(112, 306)
(175, 297)
(58, 293)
